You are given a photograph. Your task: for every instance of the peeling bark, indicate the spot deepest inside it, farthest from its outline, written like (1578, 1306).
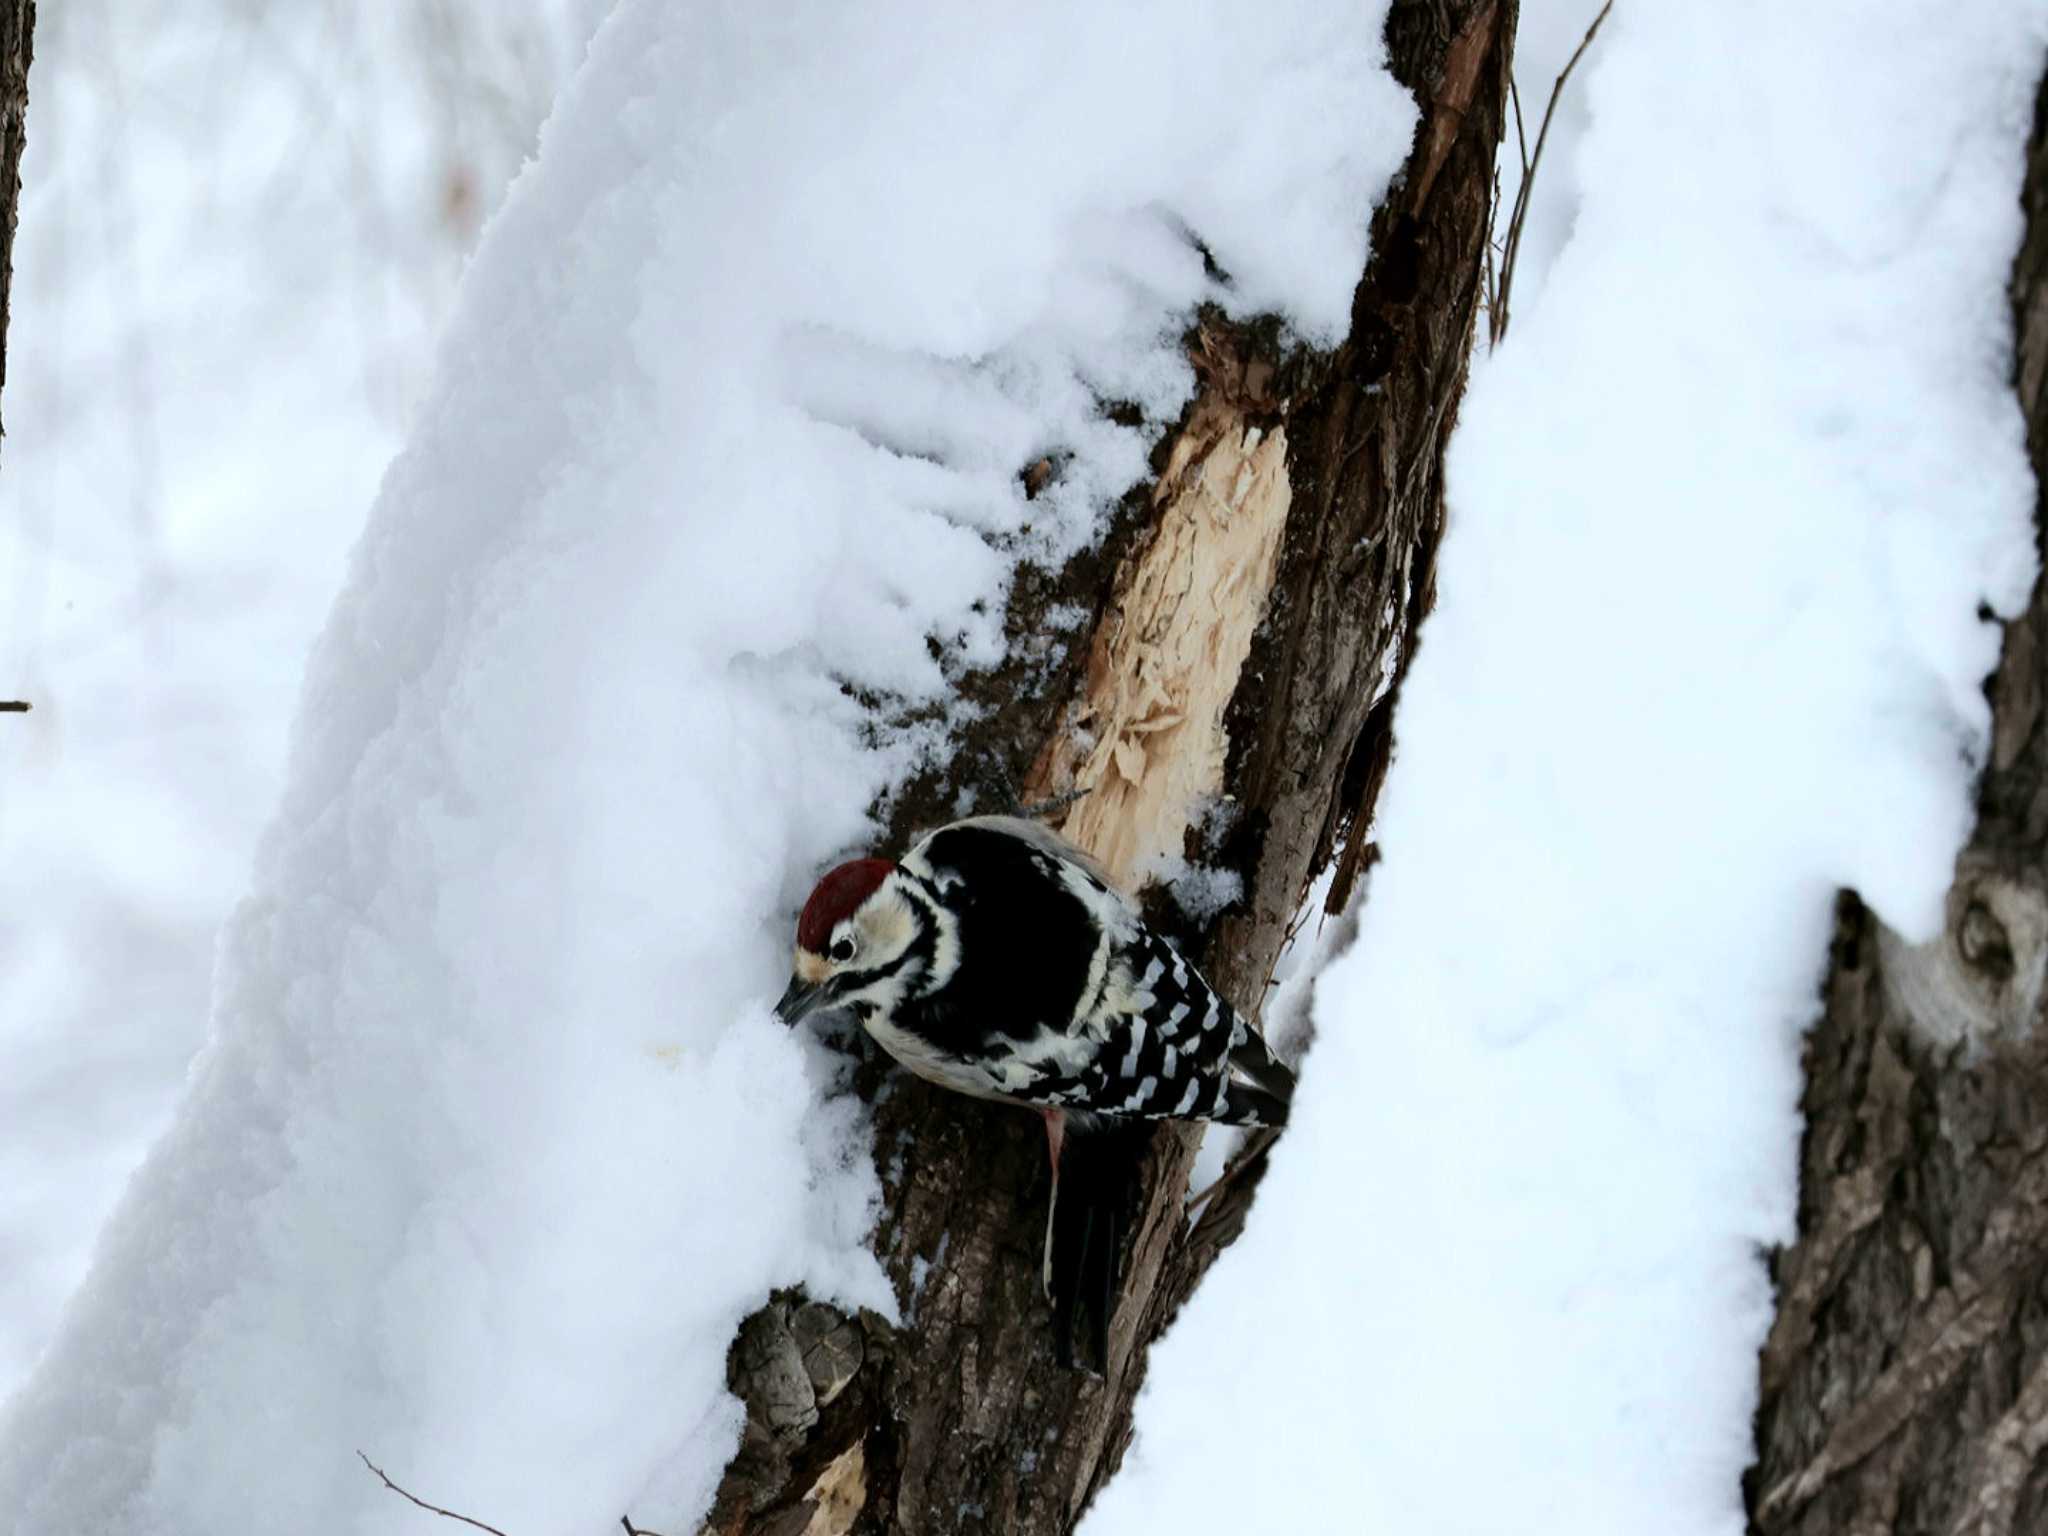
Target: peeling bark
(1254, 608)
(1905, 1381)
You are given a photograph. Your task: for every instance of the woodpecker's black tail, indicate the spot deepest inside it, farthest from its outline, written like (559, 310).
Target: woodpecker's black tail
(1093, 1197)
(1265, 1099)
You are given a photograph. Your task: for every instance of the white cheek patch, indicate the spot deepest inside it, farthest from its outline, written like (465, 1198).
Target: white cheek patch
(885, 931)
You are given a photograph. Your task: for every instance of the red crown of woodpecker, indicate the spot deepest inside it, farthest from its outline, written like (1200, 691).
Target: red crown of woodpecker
(838, 895)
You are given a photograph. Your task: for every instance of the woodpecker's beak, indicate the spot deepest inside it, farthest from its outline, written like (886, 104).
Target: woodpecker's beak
(801, 999)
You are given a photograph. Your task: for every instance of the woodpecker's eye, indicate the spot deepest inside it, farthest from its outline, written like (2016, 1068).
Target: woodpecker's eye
(843, 950)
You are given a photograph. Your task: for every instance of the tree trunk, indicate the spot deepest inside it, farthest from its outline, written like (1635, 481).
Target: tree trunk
(17, 37)
(1306, 487)
(1905, 1381)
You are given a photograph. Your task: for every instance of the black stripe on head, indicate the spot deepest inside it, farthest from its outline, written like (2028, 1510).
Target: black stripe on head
(919, 951)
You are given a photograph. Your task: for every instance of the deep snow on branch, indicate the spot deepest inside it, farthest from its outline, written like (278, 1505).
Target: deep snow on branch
(224, 304)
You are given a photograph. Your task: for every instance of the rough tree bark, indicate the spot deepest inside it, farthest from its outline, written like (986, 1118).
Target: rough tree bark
(1254, 608)
(1905, 1381)
(17, 37)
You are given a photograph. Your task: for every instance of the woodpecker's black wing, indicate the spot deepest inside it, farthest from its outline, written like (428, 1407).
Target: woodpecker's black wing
(1159, 1043)
(1048, 983)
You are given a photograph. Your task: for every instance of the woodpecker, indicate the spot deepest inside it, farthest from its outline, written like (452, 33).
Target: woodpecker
(998, 960)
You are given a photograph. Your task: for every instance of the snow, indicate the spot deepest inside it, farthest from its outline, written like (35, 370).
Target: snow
(223, 302)
(493, 1140)
(1724, 506)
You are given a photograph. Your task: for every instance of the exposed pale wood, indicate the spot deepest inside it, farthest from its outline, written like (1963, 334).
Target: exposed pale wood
(1147, 742)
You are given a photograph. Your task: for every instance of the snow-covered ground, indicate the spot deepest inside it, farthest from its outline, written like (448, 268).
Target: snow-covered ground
(240, 227)
(1723, 508)
(493, 1143)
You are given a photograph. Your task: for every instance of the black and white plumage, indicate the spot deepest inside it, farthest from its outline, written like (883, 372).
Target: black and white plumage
(998, 960)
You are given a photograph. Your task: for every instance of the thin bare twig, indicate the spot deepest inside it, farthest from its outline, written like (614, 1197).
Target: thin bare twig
(433, 1509)
(1492, 272)
(1497, 315)
(14, 706)
(1521, 138)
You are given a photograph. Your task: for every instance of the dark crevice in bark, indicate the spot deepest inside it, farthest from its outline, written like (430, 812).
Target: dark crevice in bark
(17, 50)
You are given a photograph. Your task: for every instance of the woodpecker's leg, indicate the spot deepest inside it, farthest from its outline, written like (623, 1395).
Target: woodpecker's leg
(1055, 1134)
